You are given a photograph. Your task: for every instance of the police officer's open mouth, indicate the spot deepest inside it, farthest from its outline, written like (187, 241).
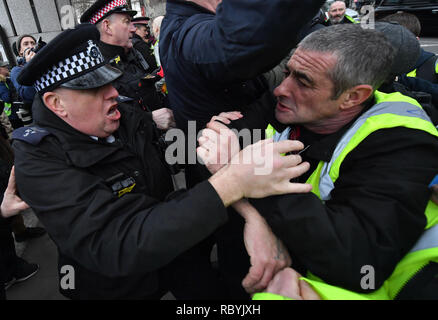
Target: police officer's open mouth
(113, 112)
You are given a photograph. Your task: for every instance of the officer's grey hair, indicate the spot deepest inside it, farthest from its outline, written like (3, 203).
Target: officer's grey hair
(100, 23)
(364, 56)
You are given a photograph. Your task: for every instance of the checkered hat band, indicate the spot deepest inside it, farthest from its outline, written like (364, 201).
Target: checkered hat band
(107, 8)
(67, 69)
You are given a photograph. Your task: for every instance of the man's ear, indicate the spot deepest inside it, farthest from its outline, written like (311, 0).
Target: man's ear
(356, 96)
(53, 101)
(106, 27)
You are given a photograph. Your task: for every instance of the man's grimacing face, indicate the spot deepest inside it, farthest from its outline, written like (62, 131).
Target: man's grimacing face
(93, 111)
(305, 95)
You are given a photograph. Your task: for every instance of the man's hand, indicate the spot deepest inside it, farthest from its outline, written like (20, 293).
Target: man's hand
(259, 170)
(218, 144)
(12, 204)
(287, 283)
(163, 118)
(28, 54)
(267, 253)
(225, 117)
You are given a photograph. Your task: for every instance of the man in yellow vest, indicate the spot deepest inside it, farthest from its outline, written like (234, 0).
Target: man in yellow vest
(337, 14)
(368, 229)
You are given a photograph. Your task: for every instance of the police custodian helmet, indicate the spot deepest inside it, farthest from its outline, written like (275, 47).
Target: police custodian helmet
(71, 60)
(103, 8)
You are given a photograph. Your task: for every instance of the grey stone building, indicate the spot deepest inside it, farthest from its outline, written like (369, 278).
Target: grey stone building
(47, 18)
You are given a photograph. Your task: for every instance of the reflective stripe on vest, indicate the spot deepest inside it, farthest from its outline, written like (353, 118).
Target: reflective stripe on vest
(350, 19)
(382, 115)
(7, 109)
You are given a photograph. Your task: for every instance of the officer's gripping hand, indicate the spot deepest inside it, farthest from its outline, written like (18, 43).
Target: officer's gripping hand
(12, 203)
(163, 118)
(259, 170)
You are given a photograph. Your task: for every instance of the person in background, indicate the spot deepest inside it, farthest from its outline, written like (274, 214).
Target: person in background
(139, 41)
(13, 269)
(113, 20)
(337, 14)
(23, 49)
(156, 26)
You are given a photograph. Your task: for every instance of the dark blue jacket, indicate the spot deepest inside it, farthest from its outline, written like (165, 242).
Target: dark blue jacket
(208, 58)
(4, 90)
(25, 92)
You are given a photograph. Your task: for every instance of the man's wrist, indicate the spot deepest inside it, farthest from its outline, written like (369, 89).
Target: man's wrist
(226, 186)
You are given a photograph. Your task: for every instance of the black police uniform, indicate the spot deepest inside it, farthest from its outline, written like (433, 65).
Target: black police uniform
(145, 49)
(137, 82)
(109, 207)
(100, 203)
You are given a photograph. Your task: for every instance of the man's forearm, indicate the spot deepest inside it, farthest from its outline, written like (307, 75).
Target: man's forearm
(226, 187)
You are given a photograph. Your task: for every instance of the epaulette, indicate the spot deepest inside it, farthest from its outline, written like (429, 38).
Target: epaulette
(32, 135)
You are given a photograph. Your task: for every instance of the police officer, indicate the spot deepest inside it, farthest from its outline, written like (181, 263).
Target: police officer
(140, 41)
(103, 190)
(113, 20)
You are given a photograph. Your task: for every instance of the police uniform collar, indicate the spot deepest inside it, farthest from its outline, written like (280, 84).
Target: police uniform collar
(111, 51)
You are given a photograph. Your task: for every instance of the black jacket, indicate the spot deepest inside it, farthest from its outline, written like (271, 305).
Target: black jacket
(116, 242)
(212, 62)
(376, 211)
(145, 49)
(136, 81)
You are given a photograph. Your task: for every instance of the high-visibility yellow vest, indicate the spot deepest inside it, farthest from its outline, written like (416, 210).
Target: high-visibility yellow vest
(413, 73)
(350, 18)
(391, 110)
(8, 106)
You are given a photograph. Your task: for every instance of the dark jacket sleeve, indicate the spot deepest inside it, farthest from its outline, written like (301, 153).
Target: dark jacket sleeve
(418, 84)
(27, 93)
(374, 217)
(245, 38)
(4, 92)
(115, 237)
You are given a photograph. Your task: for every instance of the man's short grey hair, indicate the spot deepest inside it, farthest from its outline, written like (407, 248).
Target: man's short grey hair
(364, 56)
(100, 23)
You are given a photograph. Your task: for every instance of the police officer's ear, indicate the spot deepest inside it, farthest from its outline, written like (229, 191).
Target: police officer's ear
(53, 101)
(105, 27)
(355, 96)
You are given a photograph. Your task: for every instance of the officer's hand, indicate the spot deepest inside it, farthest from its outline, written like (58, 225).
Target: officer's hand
(12, 204)
(217, 145)
(163, 118)
(268, 255)
(259, 171)
(28, 54)
(287, 283)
